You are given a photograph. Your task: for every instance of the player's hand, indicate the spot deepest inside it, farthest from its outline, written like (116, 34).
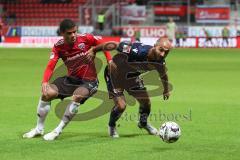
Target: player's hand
(90, 55)
(45, 87)
(166, 94)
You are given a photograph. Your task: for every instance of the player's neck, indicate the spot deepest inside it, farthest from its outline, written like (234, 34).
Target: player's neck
(68, 43)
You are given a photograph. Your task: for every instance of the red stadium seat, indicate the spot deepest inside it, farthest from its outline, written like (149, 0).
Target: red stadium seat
(32, 12)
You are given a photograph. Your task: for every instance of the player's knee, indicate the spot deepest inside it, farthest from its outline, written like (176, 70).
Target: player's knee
(78, 98)
(47, 97)
(51, 94)
(121, 104)
(146, 104)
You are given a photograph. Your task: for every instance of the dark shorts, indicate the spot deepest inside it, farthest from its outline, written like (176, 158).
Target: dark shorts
(67, 85)
(117, 89)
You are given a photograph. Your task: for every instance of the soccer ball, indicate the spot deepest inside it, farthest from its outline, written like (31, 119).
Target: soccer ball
(170, 132)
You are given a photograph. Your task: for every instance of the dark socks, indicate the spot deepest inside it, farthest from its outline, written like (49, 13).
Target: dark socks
(114, 116)
(144, 112)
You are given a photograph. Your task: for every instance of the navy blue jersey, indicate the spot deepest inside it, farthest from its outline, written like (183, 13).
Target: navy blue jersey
(136, 51)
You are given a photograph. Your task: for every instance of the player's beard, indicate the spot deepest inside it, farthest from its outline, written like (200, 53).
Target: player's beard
(73, 39)
(160, 58)
(70, 40)
(157, 56)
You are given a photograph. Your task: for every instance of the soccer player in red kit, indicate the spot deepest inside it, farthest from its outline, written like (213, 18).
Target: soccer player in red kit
(78, 53)
(1, 30)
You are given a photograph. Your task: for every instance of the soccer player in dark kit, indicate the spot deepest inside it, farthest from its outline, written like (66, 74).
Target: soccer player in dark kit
(78, 53)
(132, 60)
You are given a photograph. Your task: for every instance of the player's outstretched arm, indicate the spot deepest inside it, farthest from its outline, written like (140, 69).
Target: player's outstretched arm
(105, 47)
(164, 78)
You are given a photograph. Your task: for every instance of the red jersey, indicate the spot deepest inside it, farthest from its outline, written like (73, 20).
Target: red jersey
(1, 28)
(73, 57)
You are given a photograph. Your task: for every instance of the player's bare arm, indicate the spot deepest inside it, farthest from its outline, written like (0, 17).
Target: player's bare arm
(162, 48)
(108, 46)
(164, 78)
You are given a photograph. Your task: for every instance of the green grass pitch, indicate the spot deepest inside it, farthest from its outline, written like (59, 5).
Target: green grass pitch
(205, 103)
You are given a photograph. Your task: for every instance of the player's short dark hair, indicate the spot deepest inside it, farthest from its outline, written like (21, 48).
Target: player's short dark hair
(66, 24)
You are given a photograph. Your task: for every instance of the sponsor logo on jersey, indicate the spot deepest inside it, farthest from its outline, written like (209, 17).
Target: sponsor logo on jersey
(81, 54)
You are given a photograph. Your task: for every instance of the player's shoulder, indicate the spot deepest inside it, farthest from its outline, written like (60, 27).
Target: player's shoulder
(88, 36)
(83, 35)
(59, 43)
(137, 43)
(125, 43)
(124, 46)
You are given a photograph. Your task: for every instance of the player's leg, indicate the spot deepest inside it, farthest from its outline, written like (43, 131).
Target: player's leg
(45, 104)
(80, 95)
(211, 42)
(43, 108)
(144, 111)
(116, 112)
(225, 39)
(119, 102)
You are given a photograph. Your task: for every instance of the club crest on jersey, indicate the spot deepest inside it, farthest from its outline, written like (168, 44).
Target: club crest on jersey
(81, 46)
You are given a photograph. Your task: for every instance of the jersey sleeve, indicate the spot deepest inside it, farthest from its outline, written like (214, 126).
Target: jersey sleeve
(96, 40)
(108, 56)
(54, 56)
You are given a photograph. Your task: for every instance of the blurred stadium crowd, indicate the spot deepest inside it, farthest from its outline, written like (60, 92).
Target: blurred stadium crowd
(188, 23)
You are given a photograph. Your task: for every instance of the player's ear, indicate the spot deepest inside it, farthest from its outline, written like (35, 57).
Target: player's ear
(61, 34)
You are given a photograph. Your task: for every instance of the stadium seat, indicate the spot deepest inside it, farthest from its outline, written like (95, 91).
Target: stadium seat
(33, 12)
